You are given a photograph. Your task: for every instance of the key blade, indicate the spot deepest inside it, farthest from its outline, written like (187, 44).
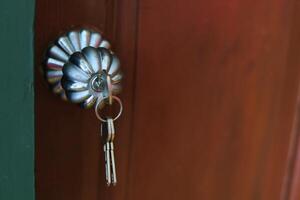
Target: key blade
(113, 165)
(111, 130)
(108, 164)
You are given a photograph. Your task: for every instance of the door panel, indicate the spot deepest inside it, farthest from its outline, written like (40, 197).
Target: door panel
(216, 88)
(209, 94)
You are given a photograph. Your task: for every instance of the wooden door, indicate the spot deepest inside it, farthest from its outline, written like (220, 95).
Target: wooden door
(210, 95)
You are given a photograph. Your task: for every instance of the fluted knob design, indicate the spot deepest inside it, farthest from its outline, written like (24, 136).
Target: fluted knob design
(78, 65)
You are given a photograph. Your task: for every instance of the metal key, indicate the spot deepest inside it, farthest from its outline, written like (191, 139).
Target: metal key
(111, 129)
(106, 136)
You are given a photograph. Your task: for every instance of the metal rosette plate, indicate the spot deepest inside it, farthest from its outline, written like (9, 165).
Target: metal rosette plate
(79, 65)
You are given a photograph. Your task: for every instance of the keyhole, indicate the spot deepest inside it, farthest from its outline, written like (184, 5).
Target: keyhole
(98, 83)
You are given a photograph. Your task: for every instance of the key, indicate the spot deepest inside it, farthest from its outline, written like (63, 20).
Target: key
(106, 136)
(112, 155)
(108, 164)
(113, 165)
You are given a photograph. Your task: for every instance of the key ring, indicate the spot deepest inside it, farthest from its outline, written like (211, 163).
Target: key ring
(98, 104)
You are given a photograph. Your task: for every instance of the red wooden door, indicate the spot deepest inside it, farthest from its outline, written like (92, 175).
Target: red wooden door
(210, 95)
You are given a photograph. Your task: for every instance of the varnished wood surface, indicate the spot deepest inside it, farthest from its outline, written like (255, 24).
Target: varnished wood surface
(210, 95)
(217, 84)
(291, 188)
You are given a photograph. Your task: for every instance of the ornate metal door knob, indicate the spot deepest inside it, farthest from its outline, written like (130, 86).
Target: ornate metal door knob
(81, 68)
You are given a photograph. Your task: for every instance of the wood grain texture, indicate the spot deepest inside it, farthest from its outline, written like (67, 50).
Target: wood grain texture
(17, 100)
(210, 95)
(216, 88)
(291, 184)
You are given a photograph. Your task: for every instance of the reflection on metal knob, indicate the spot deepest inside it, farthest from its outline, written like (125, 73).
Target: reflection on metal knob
(81, 68)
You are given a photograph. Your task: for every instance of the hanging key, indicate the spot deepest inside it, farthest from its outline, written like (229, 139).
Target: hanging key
(111, 129)
(106, 137)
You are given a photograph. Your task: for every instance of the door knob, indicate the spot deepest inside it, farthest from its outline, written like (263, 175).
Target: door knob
(81, 68)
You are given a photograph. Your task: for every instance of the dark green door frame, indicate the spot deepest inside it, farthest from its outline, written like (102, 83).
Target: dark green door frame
(16, 100)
